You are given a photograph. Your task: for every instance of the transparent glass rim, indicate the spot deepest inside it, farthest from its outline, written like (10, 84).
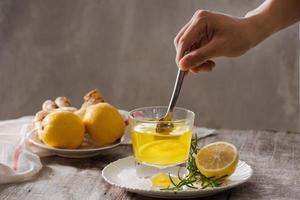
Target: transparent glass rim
(157, 121)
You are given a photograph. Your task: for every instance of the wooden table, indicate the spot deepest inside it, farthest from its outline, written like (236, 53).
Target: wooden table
(274, 156)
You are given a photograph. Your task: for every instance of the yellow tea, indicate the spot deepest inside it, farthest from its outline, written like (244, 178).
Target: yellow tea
(154, 148)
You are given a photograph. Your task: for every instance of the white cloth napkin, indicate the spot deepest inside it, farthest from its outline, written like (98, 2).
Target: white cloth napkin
(20, 160)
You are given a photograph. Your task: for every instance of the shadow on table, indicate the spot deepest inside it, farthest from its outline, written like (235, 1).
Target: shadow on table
(220, 196)
(99, 161)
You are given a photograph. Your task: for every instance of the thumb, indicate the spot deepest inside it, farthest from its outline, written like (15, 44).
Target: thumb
(199, 56)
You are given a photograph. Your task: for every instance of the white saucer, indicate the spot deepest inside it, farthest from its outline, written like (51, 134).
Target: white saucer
(122, 174)
(87, 149)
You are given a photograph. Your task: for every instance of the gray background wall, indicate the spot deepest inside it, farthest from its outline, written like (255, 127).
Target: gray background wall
(125, 47)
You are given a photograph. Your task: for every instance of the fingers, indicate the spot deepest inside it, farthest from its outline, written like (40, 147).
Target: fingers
(196, 30)
(205, 67)
(199, 56)
(199, 34)
(183, 29)
(180, 33)
(190, 37)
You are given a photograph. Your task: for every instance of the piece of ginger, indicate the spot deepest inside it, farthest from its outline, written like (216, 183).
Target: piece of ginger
(91, 98)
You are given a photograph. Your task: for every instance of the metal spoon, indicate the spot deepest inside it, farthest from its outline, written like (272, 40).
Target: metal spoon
(165, 126)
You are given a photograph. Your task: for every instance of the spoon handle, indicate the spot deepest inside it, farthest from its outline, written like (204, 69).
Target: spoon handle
(177, 87)
(176, 90)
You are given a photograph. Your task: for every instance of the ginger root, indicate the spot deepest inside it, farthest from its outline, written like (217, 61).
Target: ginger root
(60, 102)
(64, 104)
(49, 106)
(91, 98)
(37, 121)
(39, 116)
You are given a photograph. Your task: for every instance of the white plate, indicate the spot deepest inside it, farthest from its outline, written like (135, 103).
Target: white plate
(87, 149)
(122, 174)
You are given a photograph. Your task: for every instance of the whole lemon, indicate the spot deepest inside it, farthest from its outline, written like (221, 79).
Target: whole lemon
(104, 123)
(62, 129)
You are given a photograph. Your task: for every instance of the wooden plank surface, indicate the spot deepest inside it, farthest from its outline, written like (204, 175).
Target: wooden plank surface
(274, 156)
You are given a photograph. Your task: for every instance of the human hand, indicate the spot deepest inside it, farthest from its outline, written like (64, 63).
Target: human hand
(211, 35)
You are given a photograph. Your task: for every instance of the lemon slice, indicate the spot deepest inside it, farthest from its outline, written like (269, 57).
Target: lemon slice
(162, 180)
(217, 159)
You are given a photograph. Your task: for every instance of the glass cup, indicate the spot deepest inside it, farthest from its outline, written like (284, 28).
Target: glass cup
(160, 152)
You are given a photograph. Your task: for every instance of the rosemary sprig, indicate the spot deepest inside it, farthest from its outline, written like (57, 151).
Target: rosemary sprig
(194, 175)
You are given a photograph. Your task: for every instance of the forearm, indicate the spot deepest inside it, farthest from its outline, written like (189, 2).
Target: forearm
(272, 16)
